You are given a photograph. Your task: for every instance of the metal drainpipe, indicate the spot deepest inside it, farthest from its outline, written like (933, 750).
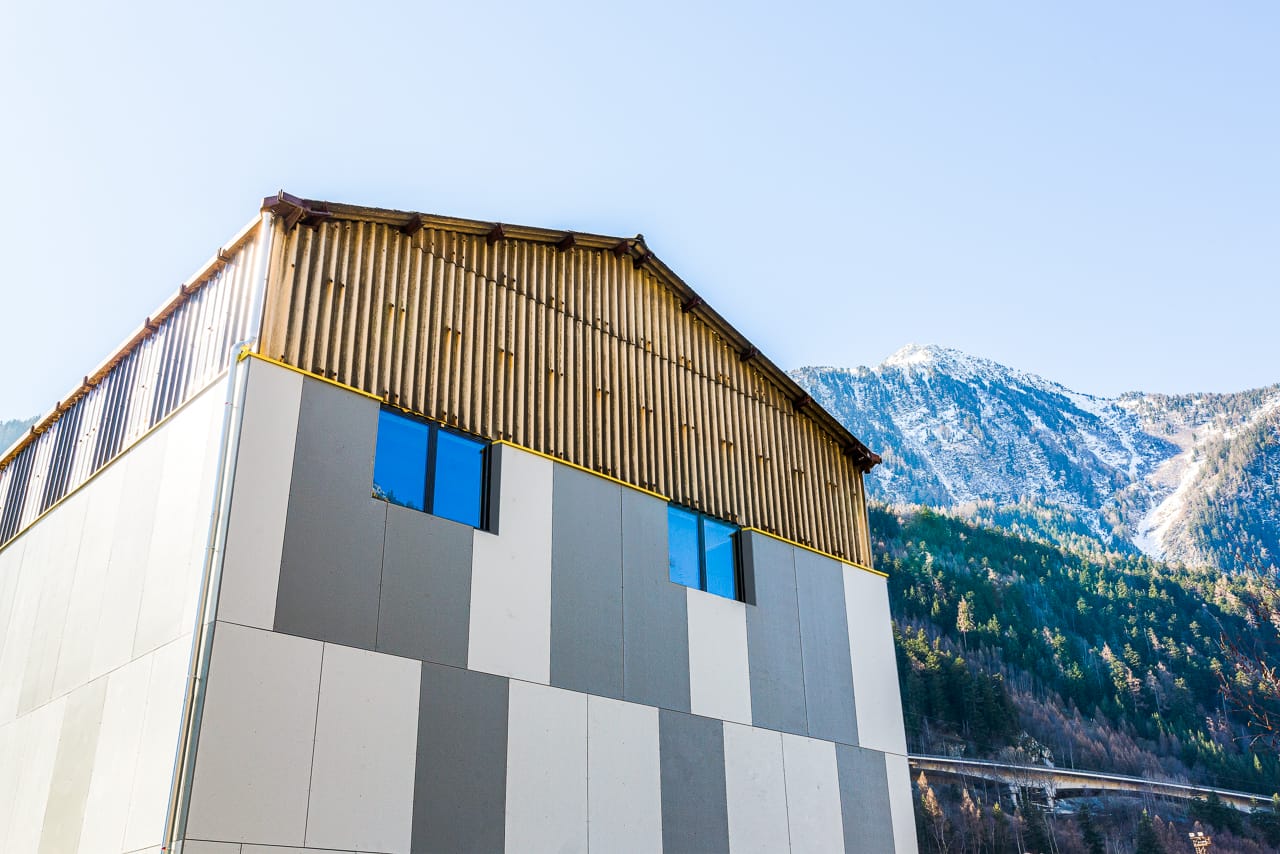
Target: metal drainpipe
(211, 579)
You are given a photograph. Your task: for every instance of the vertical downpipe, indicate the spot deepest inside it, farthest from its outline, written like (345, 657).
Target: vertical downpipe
(211, 577)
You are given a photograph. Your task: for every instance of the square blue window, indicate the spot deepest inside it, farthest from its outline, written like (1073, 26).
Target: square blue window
(703, 552)
(423, 467)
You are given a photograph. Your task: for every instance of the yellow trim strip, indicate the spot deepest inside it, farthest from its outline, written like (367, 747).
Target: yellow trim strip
(817, 552)
(572, 465)
(246, 353)
(249, 354)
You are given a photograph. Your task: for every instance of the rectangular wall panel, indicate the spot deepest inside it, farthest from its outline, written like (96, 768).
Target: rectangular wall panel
(654, 611)
(755, 792)
(586, 584)
(694, 811)
(253, 759)
(875, 666)
(115, 759)
(813, 795)
(332, 558)
(459, 800)
(37, 735)
(362, 769)
(260, 496)
(719, 675)
(624, 777)
(546, 770)
(864, 799)
(828, 676)
(773, 637)
(73, 768)
(424, 609)
(510, 632)
(900, 805)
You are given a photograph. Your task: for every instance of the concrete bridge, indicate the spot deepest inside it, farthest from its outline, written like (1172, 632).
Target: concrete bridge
(1057, 783)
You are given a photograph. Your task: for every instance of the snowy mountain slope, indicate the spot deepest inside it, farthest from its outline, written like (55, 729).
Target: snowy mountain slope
(955, 429)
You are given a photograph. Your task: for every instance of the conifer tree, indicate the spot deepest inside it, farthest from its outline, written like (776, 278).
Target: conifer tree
(1093, 841)
(1148, 842)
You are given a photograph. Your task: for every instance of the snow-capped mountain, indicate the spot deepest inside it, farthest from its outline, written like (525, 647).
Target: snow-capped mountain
(1174, 476)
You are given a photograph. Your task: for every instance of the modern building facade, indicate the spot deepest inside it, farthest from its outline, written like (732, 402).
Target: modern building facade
(401, 533)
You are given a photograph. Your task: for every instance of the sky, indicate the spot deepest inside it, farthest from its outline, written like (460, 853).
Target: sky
(1089, 191)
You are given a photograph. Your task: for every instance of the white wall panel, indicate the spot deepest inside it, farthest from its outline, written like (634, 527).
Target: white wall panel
(260, 498)
(158, 746)
(73, 768)
(362, 771)
(92, 560)
(813, 795)
(253, 761)
(184, 503)
(57, 569)
(755, 796)
(122, 595)
(22, 620)
(876, 697)
(900, 804)
(116, 758)
(624, 777)
(546, 770)
(510, 628)
(719, 677)
(10, 569)
(38, 734)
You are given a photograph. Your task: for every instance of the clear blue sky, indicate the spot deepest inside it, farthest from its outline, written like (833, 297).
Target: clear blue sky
(1090, 191)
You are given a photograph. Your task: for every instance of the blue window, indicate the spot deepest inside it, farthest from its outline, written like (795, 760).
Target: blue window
(425, 467)
(703, 552)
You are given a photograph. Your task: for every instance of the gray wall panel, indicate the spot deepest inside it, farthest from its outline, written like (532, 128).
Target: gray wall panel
(332, 557)
(460, 794)
(586, 583)
(695, 815)
(654, 611)
(773, 637)
(425, 599)
(864, 799)
(824, 636)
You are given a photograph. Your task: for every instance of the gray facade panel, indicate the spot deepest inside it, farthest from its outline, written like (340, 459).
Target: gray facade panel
(460, 791)
(425, 599)
(864, 799)
(586, 583)
(695, 813)
(824, 636)
(332, 559)
(773, 637)
(654, 611)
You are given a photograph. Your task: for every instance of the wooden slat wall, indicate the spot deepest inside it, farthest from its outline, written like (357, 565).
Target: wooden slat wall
(576, 353)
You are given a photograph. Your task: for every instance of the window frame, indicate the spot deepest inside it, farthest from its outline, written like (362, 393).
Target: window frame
(735, 538)
(429, 473)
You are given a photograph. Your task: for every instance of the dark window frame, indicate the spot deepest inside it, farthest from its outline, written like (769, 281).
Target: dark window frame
(434, 428)
(739, 570)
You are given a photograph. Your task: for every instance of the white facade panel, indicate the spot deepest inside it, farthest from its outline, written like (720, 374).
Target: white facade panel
(362, 771)
(260, 498)
(158, 746)
(624, 777)
(755, 797)
(253, 761)
(183, 508)
(89, 588)
(10, 570)
(116, 758)
(510, 628)
(901, 808)
(22, 620)
(719, 676)
(876, 697)
(813, 795)
(37, 733)
(546, 770)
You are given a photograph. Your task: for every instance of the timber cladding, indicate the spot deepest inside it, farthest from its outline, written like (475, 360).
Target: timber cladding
(578, 349)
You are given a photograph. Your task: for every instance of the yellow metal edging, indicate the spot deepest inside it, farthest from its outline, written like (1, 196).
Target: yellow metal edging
(817, 551)
(246, 353)
(573, 465)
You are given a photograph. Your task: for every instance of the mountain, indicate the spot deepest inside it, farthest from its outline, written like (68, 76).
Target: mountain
(1189, 478)
(11, 431)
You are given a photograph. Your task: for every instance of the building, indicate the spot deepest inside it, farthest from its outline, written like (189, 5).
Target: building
(394, 532)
